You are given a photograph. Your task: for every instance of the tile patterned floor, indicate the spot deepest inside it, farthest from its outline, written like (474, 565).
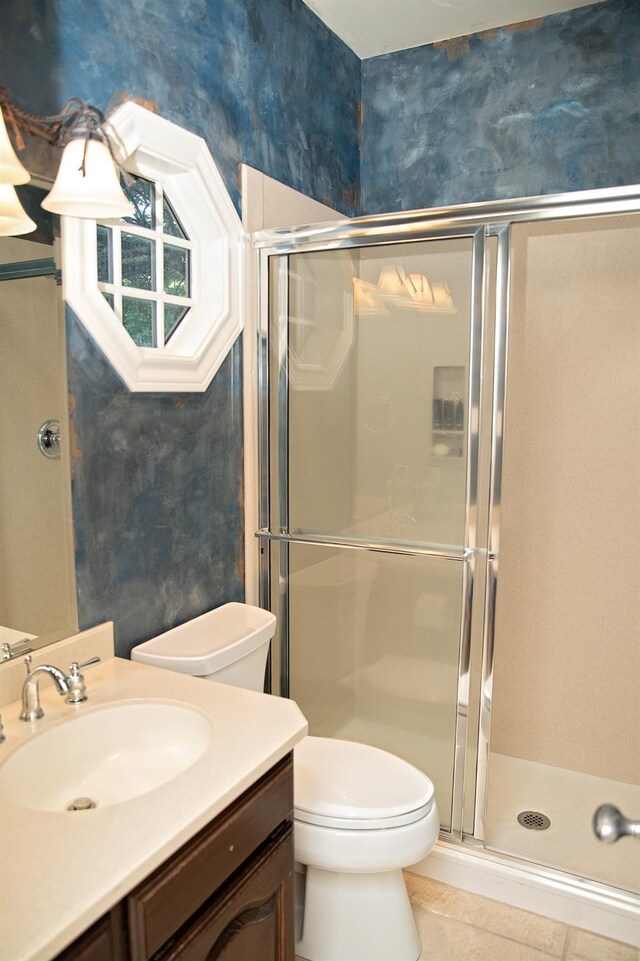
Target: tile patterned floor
(457, 926)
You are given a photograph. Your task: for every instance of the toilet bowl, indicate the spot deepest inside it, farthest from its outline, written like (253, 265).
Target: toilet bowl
(361, 814)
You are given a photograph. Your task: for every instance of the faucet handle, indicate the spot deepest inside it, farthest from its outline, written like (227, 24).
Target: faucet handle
(75, 680)
(75, 667)
(27, 662)
(3, 736)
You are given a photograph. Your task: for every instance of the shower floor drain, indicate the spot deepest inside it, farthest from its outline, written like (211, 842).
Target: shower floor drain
(534, 820)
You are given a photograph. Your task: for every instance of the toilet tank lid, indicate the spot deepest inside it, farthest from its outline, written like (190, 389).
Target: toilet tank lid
(209, 642)
(345, 779)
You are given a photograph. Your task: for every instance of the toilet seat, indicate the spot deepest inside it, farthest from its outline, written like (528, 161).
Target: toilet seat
(344, 784)
(363, 824)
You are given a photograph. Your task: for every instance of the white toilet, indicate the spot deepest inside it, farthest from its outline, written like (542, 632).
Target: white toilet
(361, 814)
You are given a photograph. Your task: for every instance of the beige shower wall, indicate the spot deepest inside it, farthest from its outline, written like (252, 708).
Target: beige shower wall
(266, 203)
(568, 610)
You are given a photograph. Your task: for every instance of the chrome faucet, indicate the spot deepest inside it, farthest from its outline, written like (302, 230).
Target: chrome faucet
(31, 709)
(72, 685)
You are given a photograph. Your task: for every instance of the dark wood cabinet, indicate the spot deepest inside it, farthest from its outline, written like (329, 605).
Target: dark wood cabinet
(104, 941)
(227, 895)
(251, 919)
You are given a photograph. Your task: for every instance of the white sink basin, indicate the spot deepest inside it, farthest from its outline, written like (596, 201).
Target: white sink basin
(108, 755)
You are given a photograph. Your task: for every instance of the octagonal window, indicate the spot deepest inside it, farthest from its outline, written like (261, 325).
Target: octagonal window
(144, 265)
(160, 290)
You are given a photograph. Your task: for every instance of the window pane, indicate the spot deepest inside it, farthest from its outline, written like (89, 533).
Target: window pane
(139, 320)
(109, 299)
(138, 262)
(173, 314)
(170, 223)
(105, 255)
(141, 193)
(176, 271)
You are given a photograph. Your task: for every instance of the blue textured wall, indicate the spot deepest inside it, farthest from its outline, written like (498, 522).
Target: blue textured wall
(265, 83)
(157, 495)
(532, 109)
(157, 479)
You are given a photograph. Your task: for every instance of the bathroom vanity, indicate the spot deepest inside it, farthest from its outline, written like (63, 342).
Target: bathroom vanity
(228, 892)
(199, 866)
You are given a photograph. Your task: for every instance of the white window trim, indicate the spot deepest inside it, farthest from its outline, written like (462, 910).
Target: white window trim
(158, 150)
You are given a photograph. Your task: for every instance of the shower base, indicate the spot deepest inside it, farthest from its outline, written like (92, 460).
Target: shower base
(568, 799)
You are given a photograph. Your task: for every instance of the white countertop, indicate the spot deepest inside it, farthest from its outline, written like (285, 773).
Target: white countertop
(61, 871)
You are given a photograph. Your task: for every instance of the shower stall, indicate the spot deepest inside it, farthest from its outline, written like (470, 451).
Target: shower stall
(450, 508)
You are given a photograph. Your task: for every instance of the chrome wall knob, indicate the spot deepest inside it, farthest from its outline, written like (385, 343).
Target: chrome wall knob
(49, 438)
(609, 824)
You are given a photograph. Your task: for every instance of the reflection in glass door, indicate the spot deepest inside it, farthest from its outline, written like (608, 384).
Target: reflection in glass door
(374, 650)
(379, 346)
(374, 374)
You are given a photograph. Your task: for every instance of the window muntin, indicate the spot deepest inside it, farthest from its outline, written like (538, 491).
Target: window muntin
(144, 266)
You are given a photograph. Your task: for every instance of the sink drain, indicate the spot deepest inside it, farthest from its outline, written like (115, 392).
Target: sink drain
(534, 820)
(82, 804)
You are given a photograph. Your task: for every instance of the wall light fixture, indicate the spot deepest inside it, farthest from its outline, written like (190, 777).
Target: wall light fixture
(414, 291)
(87, 184)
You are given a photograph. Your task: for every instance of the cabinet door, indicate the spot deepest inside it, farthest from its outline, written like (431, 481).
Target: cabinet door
(252, 918)
(168, 900)
(104, 941)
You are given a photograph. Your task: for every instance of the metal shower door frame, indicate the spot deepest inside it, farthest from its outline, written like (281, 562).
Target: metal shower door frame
(274, 482)
(491, 219)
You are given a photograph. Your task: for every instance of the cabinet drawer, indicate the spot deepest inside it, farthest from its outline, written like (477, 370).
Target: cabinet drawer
(250, 918)
(171, 895)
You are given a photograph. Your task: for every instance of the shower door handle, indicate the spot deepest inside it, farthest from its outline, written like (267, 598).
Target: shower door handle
(609, 824)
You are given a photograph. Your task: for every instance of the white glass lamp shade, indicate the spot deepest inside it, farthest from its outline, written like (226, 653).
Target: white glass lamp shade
(392, 283)
(11, 170)
(366, 298)
(96, 194)
(443, 301)
(421, 292)
(13, 218)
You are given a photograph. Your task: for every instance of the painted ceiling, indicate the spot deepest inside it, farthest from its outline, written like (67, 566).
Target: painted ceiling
(372, 27)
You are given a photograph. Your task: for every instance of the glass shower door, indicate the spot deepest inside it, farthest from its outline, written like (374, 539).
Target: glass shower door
(378, 393)
(374, 374)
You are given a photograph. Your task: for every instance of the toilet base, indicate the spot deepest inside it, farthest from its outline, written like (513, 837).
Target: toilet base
(357, 917)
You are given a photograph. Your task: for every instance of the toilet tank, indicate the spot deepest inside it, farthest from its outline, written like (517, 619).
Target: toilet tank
(229, 644)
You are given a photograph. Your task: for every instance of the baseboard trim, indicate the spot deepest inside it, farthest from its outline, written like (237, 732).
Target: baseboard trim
(582, 904)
